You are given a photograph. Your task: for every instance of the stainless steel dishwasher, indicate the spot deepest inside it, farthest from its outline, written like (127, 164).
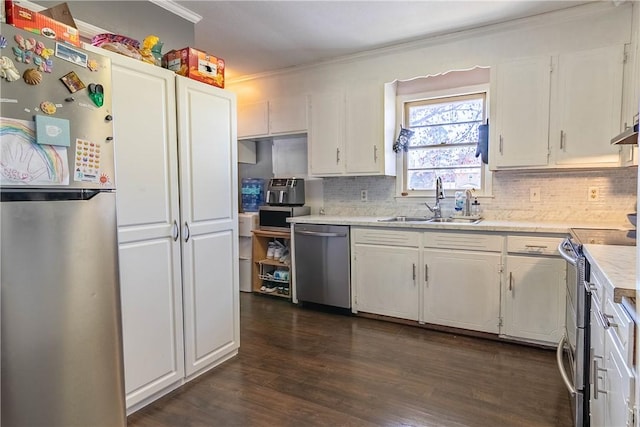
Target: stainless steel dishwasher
(322, 264)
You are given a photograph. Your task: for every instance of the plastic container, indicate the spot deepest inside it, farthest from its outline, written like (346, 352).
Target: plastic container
(461, 198)
(252, 190)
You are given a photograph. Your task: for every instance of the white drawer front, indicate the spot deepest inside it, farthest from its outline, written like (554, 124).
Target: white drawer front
(622, 328)
(376, 236)
(533, 245)
(464, 241)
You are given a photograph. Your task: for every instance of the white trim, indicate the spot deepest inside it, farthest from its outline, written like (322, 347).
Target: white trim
(87, 31)
(178, 9)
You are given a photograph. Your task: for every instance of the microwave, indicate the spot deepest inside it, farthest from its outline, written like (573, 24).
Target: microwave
(275, 217)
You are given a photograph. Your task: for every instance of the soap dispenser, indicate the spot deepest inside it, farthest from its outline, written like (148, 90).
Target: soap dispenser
(475, 207)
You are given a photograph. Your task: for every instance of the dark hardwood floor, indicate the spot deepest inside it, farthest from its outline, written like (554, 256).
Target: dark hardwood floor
(302, 367)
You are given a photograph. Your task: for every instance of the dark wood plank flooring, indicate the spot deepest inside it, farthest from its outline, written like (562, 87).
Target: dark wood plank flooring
(302, 367)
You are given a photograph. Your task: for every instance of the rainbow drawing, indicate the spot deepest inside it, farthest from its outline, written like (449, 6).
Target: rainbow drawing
(25, 162)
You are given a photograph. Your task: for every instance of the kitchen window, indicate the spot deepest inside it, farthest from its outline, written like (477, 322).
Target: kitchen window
(445, 136)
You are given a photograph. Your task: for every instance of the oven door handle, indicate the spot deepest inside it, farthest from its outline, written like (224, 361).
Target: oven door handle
(563, 373)
(563, 253)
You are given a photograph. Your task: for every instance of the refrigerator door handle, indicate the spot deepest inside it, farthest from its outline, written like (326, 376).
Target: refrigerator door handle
(187, 232)
(176, 230)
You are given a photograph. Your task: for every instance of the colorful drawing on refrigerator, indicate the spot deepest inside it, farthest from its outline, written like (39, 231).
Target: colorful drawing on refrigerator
(25, 162)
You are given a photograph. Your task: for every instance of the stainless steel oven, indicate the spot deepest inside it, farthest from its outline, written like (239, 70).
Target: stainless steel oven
(574, 346)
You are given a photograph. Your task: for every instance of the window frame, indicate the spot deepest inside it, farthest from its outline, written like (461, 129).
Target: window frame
(401, 159)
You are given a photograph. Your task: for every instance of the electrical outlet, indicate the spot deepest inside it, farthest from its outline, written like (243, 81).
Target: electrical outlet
(594, 194)
(363, 195)
(534, 194)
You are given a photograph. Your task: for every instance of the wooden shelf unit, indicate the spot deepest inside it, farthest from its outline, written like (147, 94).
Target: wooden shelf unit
(262, 265)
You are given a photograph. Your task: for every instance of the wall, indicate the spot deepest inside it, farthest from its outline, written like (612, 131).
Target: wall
(563, 197)
(135, 19)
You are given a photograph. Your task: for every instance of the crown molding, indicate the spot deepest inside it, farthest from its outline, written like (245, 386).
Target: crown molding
(179, 10)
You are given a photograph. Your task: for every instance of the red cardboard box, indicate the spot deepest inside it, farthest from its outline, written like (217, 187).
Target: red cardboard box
(38, 23)
(195, 64)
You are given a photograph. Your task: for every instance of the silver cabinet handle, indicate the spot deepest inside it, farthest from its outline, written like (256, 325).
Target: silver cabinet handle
(560, 363)
(337, 155)
(176, 230)
(414, 274)
(510, 281)
(536, 246)
(562, 140)
(375, 154)
(596, 377)
(187, 232)
(500, 149)
(320, 234)
(426, 273)
(608, 323)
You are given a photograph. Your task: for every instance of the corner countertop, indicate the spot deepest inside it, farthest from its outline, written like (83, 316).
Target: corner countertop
(484, 225)
(618, 265)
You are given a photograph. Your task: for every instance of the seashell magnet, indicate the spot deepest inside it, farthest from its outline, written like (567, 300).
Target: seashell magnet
(32, 76)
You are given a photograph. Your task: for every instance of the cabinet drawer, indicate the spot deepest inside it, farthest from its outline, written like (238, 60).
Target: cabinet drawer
(533, 245)
(622, 328)
(464, 241)
(375, 236)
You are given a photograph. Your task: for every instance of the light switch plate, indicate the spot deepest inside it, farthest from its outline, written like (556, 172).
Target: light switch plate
(363, 195)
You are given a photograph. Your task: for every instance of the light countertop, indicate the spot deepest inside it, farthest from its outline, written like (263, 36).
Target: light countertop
(618, 264)
(484, 225)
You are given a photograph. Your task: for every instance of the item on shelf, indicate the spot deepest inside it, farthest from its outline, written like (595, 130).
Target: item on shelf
(195, 64)
(252, 190)
(271, 250)
(119, 44)
(150, 50)
(39, 23)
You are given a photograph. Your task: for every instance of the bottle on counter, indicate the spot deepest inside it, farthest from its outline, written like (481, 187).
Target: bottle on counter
(460, 200)
(475, 207)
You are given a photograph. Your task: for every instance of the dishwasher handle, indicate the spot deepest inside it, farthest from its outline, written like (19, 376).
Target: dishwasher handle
(320, 233)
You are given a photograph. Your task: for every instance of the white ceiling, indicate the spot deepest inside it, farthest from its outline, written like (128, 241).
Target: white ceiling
(259, 36)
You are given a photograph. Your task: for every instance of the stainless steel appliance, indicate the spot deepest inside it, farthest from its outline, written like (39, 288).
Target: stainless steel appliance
(60, 305)
(275, 217)
(322, 264)
(576, 343)
(285, 192)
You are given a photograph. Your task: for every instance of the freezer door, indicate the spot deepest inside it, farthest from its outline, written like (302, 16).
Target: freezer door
(60, 307)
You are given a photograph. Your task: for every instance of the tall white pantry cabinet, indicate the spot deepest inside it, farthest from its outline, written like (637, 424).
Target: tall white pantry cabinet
(177, 210)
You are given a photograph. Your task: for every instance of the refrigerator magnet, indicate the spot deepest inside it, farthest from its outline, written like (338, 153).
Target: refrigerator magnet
(75, 56)
(72, 82)
(52, 131)
(96, 93)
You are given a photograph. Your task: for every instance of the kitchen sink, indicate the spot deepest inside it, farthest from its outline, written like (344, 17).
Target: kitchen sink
(406, 219)
(456, 220)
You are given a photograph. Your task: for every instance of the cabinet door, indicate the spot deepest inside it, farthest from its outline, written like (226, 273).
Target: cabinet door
(597, 402)
(253, 120)
(208, 204)
(521, 137)
(387, 280)
(534, 298)
(326, 134)
(462, 289)
(620, 385)
(147, 209)
(364, 142)
(589, 100)
(288, 115)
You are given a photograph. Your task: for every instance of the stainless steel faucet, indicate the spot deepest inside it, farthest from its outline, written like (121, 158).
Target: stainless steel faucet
(436, 209)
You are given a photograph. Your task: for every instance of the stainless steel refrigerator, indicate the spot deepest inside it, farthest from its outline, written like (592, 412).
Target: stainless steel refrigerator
(60, 301)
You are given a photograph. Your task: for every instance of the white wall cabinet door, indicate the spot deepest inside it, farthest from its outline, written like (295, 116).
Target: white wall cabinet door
(534, 298)
(288, 115)
(462, 289)
(588, 98)
(147, 209)
(253, 120)
(208, 180)
(521, 134)
(326, 134)
(387, 280)
(364, 141)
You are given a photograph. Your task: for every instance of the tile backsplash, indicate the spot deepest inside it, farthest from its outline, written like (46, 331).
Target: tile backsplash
(564, 196)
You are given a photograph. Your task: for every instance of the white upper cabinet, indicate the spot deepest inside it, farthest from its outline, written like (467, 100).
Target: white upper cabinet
(346, 133)
(588, 104)
(562, 119)
(278, 116)
(521, 130)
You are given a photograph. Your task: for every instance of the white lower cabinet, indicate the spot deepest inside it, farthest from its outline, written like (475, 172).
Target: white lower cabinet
(534, 298)
(462, 289)
(385, 272)
(177, 226)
